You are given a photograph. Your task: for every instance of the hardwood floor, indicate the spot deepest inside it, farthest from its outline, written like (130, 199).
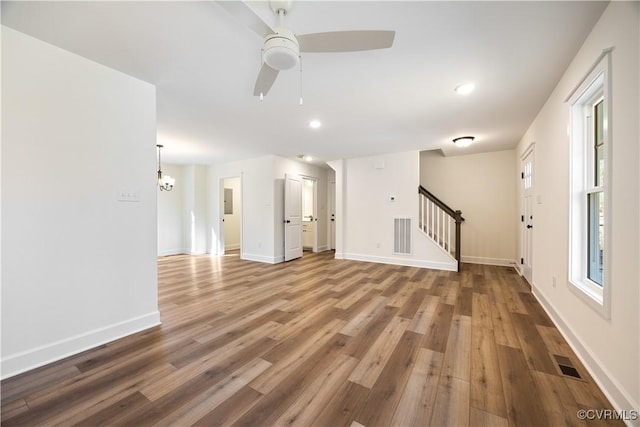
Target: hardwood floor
(320, 342)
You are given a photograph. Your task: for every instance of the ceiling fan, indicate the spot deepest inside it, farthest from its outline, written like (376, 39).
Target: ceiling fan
(281, 49)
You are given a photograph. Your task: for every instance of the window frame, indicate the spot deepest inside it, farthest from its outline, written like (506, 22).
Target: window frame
(594, 88)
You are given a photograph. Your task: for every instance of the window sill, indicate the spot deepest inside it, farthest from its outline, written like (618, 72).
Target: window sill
(596, 300)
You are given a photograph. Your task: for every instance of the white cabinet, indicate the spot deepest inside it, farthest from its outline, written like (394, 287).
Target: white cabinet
(307, 234)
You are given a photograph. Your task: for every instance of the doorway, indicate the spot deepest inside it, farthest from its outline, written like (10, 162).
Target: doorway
(300, 215)
(309, 215)
(231, 214)
(526, 214)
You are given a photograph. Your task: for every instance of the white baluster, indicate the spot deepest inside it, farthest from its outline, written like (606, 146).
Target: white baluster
(449, 236)
(426, 220)
(433, 219)
(438, 225)
(422, 212)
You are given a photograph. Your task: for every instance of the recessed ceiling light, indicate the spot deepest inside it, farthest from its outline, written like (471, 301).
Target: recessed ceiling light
(464, 88)
(464, 141)
(315, 124)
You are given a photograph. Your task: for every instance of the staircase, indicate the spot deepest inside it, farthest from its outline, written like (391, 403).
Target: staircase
(440, 223)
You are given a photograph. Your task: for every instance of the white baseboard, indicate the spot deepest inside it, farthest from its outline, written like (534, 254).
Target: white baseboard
(25, 361)
(323, 248)
(261, 258)
(488, 261)
(409, 262)
(198, 252)
(619, 398)
(169, 252)
(232, 247)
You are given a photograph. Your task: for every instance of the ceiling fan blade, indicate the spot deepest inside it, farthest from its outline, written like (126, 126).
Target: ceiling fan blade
(266, 77)
(246, 15)
(345, 41)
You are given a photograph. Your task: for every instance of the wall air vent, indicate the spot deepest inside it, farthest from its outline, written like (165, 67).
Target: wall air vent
(402, 236)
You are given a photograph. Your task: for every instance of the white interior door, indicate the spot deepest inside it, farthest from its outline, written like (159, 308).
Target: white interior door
(292, 217)
(526, 218)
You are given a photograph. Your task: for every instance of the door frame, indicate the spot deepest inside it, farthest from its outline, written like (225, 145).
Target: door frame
(221, 232)
(331, 217)
(314, 247)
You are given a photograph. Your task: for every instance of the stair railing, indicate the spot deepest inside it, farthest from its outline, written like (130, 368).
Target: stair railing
(437, 221)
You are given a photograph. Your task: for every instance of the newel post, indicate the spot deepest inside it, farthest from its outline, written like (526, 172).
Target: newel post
(458, 223)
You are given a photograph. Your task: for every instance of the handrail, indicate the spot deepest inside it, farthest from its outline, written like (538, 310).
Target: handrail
(434, 233)
(457, 215)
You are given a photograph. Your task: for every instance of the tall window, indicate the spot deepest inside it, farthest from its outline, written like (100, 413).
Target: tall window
(589, 203)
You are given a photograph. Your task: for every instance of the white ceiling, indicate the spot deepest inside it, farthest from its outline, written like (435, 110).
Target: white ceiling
(204, 64)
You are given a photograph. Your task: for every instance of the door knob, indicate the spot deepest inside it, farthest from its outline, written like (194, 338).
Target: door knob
(288, 221)
(529, 226)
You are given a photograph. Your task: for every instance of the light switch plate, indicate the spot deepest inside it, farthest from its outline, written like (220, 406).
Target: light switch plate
(128, 195)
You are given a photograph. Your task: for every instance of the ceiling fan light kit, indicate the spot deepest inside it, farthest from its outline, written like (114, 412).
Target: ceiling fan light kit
(281, 50)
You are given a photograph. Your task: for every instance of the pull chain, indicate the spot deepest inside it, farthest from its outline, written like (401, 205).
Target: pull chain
(301, 101)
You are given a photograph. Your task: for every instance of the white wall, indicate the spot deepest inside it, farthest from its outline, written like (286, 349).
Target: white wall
(170, 213)
(262, 199)
(232, 221)
(257, 207)
(194, 209)
(182, 212)
(339, 168)
(483, 187)
(365, 213)
(609, 347)
(79, 266)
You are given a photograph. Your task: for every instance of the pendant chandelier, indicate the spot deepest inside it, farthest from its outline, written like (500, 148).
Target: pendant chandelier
(164, 182)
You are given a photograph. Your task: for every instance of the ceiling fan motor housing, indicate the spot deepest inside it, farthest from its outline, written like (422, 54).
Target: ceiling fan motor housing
(281, 50)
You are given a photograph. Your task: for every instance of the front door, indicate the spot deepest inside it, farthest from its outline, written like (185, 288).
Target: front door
(526, 218)
(292, 217)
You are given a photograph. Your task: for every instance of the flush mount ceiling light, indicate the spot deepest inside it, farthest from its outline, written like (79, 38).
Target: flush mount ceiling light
(464, 141)
(315, 124)
(164, 182)
(464, 88)
(306, 157)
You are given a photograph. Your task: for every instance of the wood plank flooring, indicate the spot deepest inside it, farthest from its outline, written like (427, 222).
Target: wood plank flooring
(319, 342)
